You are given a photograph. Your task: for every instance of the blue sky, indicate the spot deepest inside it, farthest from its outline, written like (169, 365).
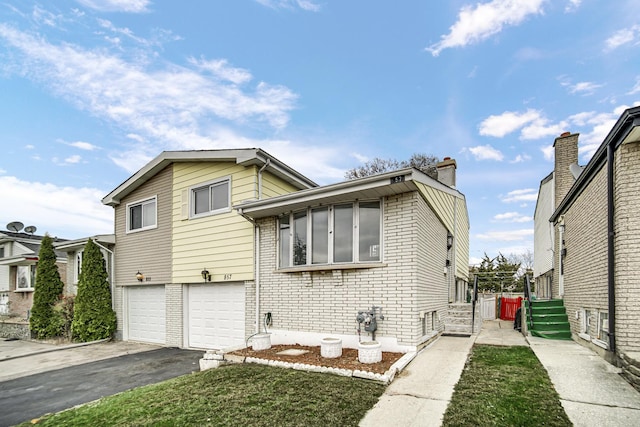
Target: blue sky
(93, 89)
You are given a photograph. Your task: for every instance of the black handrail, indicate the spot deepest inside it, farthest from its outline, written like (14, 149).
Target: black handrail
(473, 303)
(527, 294)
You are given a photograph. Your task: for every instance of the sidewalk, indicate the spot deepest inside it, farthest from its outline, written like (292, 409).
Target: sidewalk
(22, 358)
(591, 391)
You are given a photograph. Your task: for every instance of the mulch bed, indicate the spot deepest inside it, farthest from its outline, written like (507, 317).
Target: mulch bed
(348, 360)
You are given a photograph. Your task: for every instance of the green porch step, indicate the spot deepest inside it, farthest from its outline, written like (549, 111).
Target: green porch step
(550, 320)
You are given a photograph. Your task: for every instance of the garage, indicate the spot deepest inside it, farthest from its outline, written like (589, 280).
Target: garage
(216, 317)
(146, 314)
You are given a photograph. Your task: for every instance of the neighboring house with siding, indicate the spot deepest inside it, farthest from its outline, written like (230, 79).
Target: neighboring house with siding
(74, 250)
(597, 243)
(184, 259)
(18, 262)
(543, 239)
(398, 241)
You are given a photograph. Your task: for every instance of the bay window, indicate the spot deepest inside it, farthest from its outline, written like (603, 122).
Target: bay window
(343, 233)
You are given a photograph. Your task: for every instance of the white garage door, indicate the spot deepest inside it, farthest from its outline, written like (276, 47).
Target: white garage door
(146, 314)
(216, 315)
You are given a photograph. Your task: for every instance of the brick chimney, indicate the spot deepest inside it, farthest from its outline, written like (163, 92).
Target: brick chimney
(447, 171)
(566, 153)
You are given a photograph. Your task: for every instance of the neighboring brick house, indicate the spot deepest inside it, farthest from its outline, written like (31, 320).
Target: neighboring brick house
(183, 258)
(398, 241)
(18, 261)
(596, 242)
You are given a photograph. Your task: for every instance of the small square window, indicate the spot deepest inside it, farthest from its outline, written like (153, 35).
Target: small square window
(141, 215)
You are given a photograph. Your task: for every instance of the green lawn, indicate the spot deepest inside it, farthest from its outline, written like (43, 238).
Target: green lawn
(504, 386)
(234, 395)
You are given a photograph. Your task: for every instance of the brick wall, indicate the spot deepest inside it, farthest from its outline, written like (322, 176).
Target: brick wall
(627, 247)
(174, 314)
(411, 280)
(585, 278)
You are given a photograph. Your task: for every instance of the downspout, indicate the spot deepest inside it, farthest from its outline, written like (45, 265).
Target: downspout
(256, 251)
(111, 284)
(610, 249)
(256, 267)
(266, 164)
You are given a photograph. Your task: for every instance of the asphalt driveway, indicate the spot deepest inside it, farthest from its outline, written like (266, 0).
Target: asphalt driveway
(28, 397)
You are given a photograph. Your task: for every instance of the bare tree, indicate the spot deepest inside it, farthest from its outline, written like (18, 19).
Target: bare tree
(424, 162)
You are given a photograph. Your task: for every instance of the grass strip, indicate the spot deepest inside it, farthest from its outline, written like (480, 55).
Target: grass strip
(504, 386)
(234, 395)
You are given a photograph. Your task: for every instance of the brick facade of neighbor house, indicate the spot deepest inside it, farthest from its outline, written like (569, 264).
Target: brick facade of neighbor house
(581, 262)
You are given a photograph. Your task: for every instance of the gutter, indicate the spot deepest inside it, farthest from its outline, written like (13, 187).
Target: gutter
(611, 261)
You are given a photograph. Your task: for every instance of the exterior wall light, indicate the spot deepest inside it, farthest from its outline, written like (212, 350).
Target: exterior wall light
(449, 240)
(139, 276)
(206, 276)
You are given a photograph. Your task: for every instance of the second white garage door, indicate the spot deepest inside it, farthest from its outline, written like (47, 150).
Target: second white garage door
(216, 317)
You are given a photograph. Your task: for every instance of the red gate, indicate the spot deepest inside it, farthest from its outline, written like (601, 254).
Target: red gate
(508, 307)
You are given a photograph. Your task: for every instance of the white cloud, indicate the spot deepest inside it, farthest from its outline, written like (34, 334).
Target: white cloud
(506, 235)
(636, 88)
(307, 5)
(548, 152)
(478, 23)
(622, 37)
(486, 152)
(586, 88)
(86, 146)
(175, 105)
(132, 6)
(572, 6)
(221, 69)
(67, 212)
(512, 217)
(524, 195)
(507, 122)
(521, 158)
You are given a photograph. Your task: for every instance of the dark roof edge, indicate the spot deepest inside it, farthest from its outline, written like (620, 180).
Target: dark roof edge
(616, 135)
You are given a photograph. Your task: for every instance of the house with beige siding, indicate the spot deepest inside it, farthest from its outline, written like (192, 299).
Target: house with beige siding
(183, 258)
(393, 247)
(596, 243)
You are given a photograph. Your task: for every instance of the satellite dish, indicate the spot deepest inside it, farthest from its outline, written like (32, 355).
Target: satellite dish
(30, 229)
(15, 226)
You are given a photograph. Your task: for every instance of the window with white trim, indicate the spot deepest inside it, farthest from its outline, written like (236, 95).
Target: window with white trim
(142, 215)
(603, 326)
(586, 321)
(342, 233)
(25, 277)
(77, 266)
(211, 198)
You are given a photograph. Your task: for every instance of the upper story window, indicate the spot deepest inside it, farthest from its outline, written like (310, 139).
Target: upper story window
(142, 215)
(211, 198)
(343, 233)
(2, 251)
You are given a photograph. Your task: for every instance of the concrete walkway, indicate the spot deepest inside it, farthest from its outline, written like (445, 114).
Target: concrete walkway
(591, 391)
